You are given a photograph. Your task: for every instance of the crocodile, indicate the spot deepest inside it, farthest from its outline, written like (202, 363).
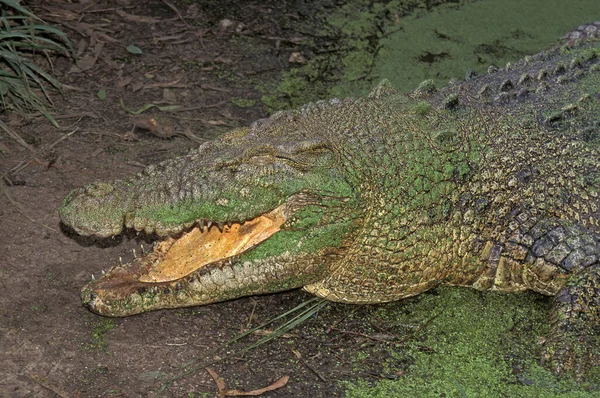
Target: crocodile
(492, 182)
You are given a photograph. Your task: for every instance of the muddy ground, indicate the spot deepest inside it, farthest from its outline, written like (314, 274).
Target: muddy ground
(209, 59)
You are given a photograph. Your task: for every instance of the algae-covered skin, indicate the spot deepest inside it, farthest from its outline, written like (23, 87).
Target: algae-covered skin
(492, 183)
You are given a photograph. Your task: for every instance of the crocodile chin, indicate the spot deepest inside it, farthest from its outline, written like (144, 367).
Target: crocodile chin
(174, 258)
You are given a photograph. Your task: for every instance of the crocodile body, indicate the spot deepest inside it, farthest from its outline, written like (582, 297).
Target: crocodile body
(493, 183)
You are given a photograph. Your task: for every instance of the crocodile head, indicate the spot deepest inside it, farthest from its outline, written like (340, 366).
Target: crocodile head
(262, 209)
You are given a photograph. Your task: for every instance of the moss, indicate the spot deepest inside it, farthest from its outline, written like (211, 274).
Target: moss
(422, 108)
(99, 332)
(478, 345)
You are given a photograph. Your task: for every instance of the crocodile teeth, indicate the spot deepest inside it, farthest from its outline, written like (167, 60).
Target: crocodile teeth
(220, 226)
(229, 223)
(93, 277)
(134, 255)
(209, 224)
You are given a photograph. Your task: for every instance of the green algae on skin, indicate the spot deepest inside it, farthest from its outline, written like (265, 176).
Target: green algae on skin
(478, 345)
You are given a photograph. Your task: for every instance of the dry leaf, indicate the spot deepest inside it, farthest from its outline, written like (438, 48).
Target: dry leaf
(219, 381)
(137, 86)
(81, 47)
(85, 63)
(224, 392)
(123, 82)
(214, 88)
(159, 129)
(296, 58)
(278, 384)
(88, 60)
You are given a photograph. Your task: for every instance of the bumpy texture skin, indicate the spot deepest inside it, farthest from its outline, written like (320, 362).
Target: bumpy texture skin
(493, 183)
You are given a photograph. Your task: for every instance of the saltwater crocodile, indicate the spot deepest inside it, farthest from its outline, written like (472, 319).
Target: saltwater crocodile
(492, 182)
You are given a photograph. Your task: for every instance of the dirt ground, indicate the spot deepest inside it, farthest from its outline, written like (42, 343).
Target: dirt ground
(197, 57)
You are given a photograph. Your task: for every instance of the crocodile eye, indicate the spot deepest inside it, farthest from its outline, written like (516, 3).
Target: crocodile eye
(262, 160)
(99, 189)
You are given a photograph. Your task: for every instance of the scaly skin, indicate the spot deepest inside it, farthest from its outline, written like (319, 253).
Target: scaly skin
(492, 183)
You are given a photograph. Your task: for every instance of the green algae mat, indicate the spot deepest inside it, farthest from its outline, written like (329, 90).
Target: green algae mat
(408, 41)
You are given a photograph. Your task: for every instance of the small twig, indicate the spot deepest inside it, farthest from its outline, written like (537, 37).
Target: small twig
(46, 385)
(172, 7)
(312, 369)
(362, 335)
(251, 314)
(16, 137)
(333, 325)
(417, 330)
(308, 366)
(24, 163)
(107, 9)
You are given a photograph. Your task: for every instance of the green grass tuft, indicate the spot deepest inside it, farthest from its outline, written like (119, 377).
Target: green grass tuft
(23, 84)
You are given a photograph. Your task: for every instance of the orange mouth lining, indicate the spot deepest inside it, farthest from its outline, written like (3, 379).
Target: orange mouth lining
(175, 258)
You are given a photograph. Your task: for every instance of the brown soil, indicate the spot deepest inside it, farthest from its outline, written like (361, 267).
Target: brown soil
(51, 345)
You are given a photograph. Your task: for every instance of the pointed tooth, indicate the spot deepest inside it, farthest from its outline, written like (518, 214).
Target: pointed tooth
(209, 224)
(103, 272)
(120, 260)
(93, 277)
(229, 223)
(134, 255)
(220, 226)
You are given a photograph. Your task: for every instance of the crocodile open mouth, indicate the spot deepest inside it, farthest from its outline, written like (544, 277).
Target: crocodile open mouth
(193, 250)
(175, 258)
